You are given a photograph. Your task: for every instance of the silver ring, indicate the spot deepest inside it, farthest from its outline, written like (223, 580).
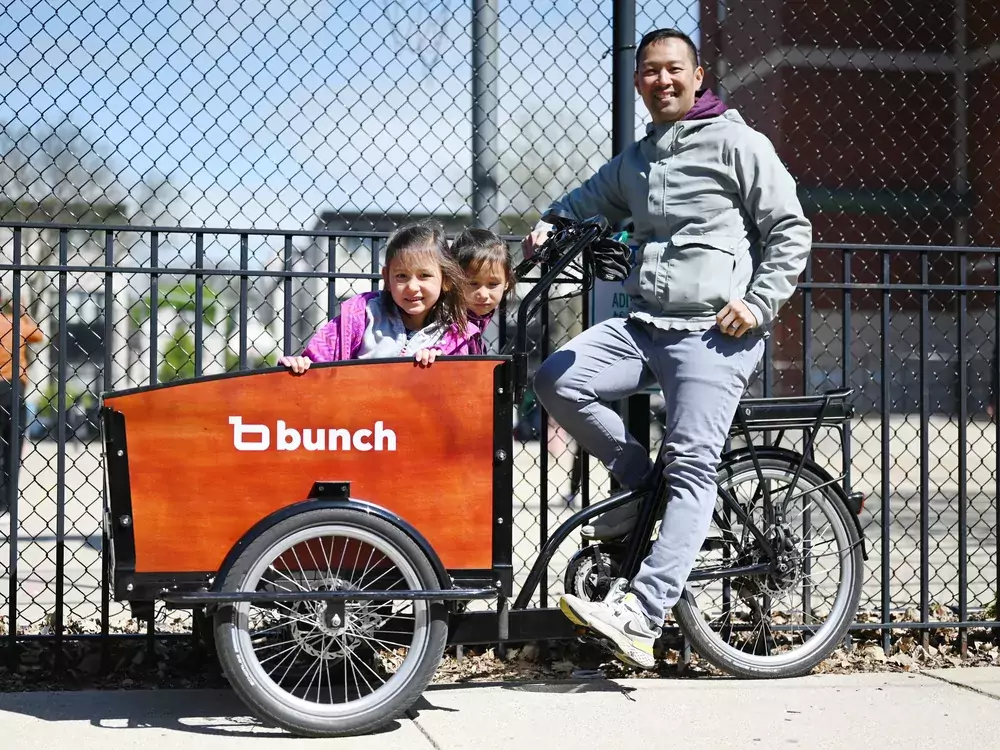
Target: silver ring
(734, 324)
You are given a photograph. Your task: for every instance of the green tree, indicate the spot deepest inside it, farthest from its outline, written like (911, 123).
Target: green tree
(253, 363)
(178, 357)
(179, 297)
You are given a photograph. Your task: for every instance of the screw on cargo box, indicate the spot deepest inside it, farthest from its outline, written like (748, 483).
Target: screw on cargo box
(121, 453)
(125, 520)
(500, 391)
(501, 455)
(129, 587)
(500, 520)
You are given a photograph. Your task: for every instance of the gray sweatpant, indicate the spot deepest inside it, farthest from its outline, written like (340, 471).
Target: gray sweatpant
(703, 374)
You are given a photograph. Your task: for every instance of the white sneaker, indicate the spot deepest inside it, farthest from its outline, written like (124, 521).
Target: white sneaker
(618, 618)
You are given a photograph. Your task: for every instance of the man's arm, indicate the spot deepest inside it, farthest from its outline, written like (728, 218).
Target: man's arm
(769, 195)
(602, 193)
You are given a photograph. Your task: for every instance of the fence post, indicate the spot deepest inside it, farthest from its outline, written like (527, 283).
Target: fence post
(484, 113)
(636, 408)
(623, 60)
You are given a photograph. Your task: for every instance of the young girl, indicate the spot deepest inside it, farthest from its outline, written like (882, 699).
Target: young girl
(485, 261)
(420, 311)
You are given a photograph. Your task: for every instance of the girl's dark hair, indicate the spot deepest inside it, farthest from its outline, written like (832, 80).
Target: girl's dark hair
(477, 248)
(426, 238)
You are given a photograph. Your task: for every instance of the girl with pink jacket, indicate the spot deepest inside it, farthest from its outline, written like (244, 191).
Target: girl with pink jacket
(420, 311)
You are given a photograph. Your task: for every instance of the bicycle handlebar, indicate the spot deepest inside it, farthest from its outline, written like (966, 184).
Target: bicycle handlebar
(605, 257)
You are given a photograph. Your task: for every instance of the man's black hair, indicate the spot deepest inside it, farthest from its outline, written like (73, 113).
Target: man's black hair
(659, 35)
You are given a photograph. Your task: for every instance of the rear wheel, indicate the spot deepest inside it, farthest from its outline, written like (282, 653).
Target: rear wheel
(784, 623)
(304, 669)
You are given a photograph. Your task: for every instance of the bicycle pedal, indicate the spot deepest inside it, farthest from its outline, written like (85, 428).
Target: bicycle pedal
(600, 641)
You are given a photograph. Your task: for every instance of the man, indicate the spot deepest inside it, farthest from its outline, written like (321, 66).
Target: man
(723, 240)
(10, 452)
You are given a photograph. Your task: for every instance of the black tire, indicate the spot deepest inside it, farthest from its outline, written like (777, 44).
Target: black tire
(262, 697)
(707, 642)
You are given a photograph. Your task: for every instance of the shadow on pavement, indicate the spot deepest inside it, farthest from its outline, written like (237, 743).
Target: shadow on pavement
(203, 712)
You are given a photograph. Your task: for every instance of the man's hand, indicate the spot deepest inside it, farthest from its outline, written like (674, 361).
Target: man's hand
(426, 357)
(537, 237)
(298, 365)
(735, 319)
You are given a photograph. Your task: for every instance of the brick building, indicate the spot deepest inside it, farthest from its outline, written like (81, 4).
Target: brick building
(885, 111)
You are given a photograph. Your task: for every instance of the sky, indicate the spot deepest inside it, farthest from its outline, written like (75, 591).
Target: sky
(265, 113)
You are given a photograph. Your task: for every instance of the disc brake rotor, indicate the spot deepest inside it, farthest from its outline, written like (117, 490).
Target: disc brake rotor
(329, 638)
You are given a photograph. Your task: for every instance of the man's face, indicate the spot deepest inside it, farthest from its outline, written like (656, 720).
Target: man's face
(667, 80)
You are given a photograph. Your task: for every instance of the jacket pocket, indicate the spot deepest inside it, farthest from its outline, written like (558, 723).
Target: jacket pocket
(644, 279)
(700, 270)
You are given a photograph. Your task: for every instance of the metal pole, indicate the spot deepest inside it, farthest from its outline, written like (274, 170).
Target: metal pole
(622, 82)
(960, 104)
(484, 114)
(636, 409)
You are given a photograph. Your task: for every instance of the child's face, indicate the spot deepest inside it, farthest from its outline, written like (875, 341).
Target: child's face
(414, 282)
(484, 289)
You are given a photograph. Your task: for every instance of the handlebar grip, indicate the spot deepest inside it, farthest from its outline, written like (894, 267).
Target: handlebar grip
(558, 218)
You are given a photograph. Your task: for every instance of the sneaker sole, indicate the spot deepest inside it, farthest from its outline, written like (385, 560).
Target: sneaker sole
(625, 659)
(625, 651)
(571, 614)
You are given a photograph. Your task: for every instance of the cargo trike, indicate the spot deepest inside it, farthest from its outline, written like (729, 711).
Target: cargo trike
(335, 527)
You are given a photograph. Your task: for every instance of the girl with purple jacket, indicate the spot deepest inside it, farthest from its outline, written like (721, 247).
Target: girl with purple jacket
(489, 275)
(420, 311)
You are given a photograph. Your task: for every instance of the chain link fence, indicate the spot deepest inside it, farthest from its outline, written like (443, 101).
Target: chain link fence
(325, 125)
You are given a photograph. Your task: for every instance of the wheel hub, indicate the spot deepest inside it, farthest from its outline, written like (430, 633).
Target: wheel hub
(330, 622)
(786, 570)
(359, 622)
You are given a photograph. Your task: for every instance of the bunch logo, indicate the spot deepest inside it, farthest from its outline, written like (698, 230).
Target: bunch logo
(257, 437)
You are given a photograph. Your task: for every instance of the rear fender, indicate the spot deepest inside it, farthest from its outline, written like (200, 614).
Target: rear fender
(347, 503)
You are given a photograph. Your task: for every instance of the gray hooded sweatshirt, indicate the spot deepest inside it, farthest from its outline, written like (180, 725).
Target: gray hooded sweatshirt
(716, 218)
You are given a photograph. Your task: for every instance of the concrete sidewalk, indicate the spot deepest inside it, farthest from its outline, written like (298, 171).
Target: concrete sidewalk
(955, 708)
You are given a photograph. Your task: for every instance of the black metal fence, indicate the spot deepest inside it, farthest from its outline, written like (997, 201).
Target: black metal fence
(903, 325)
(350, 118)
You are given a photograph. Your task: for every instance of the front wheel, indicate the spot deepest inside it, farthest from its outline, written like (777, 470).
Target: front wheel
(307, 670)
(781, 624)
